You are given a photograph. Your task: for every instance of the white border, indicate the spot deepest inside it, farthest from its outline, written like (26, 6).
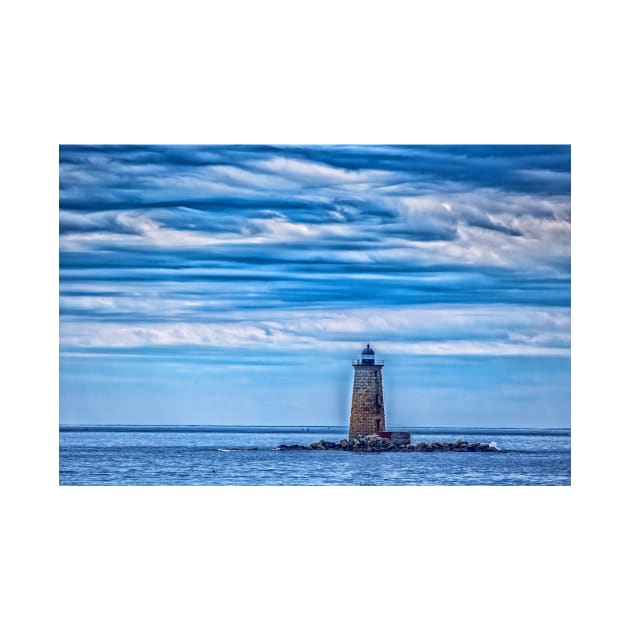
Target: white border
(313, 73)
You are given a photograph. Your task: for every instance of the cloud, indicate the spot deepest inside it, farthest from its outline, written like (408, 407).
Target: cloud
(401, 331)
(316, 247)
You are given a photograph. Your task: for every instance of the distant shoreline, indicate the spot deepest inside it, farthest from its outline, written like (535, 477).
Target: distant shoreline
(202, 428)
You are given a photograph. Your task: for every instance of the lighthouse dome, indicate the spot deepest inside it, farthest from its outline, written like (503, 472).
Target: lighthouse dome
(367, 356)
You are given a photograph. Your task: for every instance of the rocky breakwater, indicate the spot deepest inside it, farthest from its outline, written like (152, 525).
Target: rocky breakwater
(377, 444)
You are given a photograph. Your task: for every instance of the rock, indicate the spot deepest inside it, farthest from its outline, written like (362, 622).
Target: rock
(379, 443)
(401, 437)
(376, 443)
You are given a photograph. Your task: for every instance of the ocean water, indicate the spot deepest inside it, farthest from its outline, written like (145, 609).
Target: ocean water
(194, 455)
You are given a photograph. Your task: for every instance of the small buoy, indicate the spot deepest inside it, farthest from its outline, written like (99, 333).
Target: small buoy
(214, 470)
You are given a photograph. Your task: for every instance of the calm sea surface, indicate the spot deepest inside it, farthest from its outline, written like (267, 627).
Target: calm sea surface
(194, 455)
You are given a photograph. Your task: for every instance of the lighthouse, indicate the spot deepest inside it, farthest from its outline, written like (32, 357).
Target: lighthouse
(367, 415)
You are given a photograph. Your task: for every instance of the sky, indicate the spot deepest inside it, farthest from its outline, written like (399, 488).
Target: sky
(235, 284)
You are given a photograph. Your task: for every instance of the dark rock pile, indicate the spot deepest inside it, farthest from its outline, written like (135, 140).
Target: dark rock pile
(375, 443)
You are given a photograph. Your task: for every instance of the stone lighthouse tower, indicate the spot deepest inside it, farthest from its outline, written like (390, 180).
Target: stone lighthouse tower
(368, 411)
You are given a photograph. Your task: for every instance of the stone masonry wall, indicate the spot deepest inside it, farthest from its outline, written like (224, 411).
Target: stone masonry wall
(368, 411)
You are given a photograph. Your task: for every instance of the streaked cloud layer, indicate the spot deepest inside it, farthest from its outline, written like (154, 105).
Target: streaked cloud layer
(261, 254)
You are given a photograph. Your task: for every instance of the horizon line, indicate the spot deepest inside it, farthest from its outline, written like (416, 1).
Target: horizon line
(315, 426)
